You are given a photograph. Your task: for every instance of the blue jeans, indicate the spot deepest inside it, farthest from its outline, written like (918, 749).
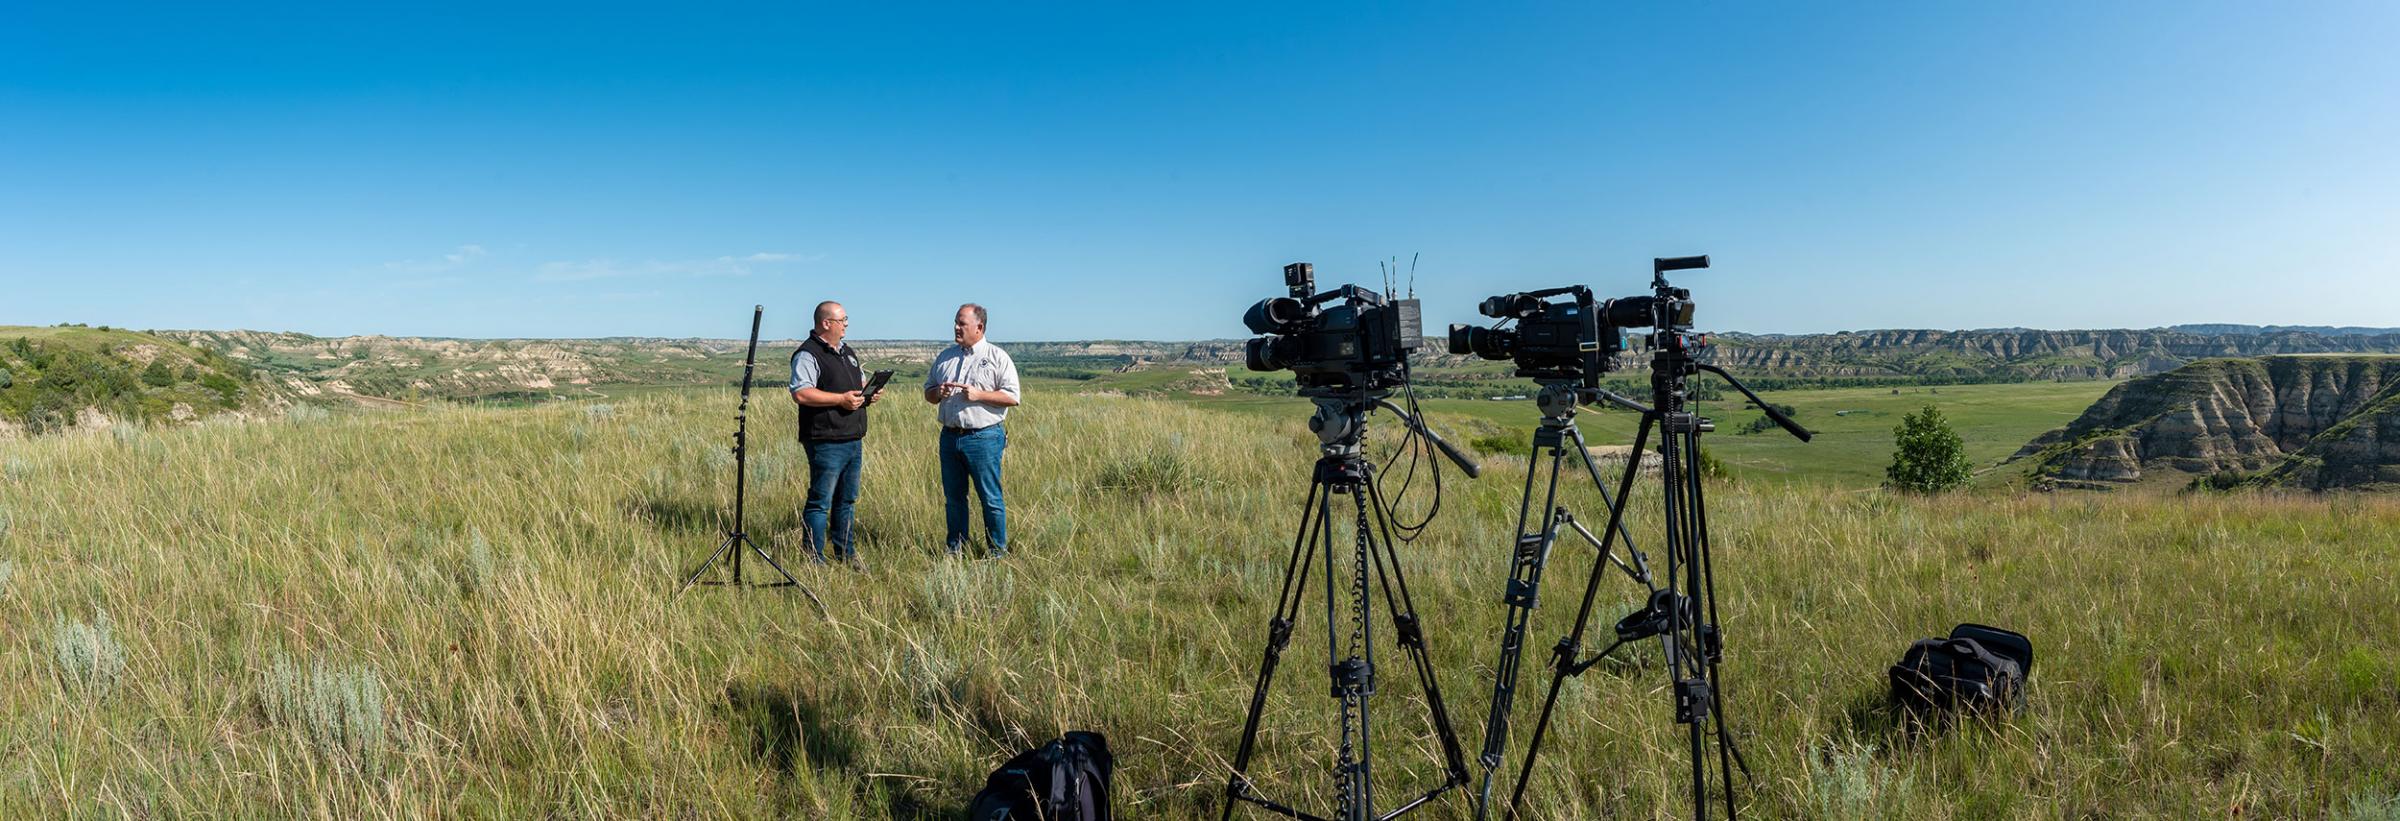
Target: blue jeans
(974, 456)
(832, 490)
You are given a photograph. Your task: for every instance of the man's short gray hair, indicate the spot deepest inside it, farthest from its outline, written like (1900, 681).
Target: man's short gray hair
(981, 318)
(825, 309)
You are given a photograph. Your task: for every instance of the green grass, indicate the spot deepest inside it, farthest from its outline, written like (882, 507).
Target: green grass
(470, 612)
(1853, 426)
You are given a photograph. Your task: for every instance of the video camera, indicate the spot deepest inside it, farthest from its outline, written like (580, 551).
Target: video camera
(1577, 338)
(1362, 343)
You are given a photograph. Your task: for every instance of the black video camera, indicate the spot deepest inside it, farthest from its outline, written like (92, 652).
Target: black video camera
(1576, 338)
(1362, 343)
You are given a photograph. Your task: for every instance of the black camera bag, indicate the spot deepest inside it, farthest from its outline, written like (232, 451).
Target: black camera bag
(1977, 669)
(1064, 780)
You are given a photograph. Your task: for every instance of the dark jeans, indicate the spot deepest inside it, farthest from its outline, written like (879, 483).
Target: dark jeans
(832, 490)
(974, 457)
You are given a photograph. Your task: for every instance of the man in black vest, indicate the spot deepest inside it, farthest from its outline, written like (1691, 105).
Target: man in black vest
(828, 385)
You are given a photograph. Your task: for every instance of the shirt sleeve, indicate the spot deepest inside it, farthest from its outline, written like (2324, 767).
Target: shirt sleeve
(804, 371)
(1008, 377)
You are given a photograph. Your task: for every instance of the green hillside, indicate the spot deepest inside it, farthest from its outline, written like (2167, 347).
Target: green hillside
(59, 377)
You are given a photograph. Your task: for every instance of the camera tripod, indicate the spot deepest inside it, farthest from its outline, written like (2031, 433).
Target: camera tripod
(1556, 436)
(736, 537)
(1684, 611)
(1340, 425)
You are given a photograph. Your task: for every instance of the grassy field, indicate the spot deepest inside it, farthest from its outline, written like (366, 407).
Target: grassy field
(1853, 426)
(471, 612)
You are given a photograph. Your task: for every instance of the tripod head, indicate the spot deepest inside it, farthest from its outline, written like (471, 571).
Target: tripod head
(1340, 423)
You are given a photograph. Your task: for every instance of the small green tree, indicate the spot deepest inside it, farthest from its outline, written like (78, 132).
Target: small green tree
(1927, 456)
(158, 375)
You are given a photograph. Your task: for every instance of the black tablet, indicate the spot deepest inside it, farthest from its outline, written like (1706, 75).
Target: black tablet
(875, 383)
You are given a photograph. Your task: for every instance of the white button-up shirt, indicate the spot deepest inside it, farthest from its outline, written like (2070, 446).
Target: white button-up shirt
(984, 367)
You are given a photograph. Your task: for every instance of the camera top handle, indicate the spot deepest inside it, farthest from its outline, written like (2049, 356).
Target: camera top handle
(1660, 265)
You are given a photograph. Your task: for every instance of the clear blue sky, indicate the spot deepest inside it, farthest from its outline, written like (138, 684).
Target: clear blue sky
(1120, 171)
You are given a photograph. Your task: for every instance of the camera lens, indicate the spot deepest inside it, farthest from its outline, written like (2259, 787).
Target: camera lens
(1628, 312)
(1280, 315)
(1510, 305)
(1268, 353)
(1489, 343)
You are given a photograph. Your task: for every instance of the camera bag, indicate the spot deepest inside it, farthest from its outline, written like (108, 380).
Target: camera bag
(1978, 668)
(1063, 780)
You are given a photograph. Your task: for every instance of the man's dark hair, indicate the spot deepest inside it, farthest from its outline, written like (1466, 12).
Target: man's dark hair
(981, 318)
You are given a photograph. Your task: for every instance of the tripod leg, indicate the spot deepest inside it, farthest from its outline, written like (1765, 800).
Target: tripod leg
(1528, 554)
(1729, 753)
(788, 581)
(704, 566)
(1279, 634)
(1411, 632)
(1355, 682)
(1686, 635)
(1569, 646)
(1640, 569)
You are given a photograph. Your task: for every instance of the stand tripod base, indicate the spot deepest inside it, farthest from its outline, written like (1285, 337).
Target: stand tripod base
(732, 546)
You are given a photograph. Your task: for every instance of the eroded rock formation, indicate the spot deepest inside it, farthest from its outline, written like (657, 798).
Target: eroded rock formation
(2314, 422)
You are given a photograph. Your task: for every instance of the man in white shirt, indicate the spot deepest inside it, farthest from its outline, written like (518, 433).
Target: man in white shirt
(974, 383)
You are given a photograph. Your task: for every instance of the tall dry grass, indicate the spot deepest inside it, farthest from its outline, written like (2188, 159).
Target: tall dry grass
(472, 613)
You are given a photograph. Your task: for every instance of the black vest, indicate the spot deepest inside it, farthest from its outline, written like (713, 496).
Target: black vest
(836, 373)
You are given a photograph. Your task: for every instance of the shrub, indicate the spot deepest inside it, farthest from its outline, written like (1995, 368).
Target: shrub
(1713, 468)
(2371, 807)
(224, 385)
(1156, 473)
(1927, 456)
(1765, 423)
(90, 661)
(2224, 480)
(339, 711)
(1850, 783)
(158, 375)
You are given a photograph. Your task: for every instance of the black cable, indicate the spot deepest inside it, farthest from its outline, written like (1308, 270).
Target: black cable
(1417, 446)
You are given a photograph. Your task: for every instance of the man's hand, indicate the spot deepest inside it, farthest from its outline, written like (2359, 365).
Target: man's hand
(853, 400)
